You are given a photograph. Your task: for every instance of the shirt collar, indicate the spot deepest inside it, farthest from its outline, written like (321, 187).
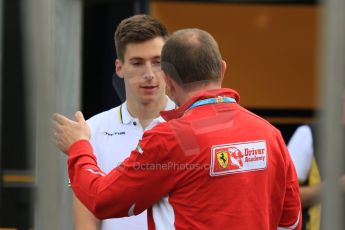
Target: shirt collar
(127, 118)
(169, 106)
(177, 113)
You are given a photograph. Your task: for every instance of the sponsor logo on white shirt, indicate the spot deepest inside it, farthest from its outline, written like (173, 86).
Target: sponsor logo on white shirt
(114, 133)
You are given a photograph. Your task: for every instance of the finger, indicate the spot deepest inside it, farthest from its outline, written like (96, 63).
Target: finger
(60, 119)
(54, 123)
(57, 126)
(79, 117)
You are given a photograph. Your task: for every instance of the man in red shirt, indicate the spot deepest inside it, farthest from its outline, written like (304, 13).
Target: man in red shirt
(212, 165)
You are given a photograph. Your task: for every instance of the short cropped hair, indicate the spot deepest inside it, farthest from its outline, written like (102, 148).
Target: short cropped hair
(136, 29)
(191, 56)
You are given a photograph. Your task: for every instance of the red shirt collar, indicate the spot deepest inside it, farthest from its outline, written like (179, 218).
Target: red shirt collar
(177, 113)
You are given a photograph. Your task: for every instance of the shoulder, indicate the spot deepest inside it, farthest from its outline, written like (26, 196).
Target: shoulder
(170, 104)
(161, 135)
(105, 118)
(250, 117)
(303, 130)
(161, 130)
(302, 136)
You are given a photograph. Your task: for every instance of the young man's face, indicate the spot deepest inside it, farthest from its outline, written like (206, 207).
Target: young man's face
(141, 70)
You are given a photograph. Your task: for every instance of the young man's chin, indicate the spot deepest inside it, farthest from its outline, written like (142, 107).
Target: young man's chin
(148, 98)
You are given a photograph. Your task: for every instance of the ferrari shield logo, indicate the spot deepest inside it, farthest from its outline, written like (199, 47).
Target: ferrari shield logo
(223, 159)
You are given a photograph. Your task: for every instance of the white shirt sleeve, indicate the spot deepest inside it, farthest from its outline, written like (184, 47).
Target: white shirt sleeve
(301, 150)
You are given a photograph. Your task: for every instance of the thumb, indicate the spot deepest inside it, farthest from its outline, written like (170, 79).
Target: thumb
(79, 117)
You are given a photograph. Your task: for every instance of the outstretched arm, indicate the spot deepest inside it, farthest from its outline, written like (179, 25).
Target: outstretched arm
(310, 194)
(128, 189)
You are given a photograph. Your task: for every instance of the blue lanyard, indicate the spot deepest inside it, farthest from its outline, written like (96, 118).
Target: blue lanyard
(216, 100)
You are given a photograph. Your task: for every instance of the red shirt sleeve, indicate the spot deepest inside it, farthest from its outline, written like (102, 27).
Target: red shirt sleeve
(291, 217)
(135, 185)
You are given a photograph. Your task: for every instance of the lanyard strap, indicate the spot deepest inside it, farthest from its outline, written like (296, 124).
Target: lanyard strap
(216, 100)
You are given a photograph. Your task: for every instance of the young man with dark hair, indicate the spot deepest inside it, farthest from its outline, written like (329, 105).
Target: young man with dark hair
(114, 133)
(182, 170)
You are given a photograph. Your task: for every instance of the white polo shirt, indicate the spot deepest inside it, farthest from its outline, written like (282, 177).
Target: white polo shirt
(114, 134)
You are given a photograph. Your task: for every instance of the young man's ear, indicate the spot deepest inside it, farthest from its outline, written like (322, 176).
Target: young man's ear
(118, 68)
(223, 70)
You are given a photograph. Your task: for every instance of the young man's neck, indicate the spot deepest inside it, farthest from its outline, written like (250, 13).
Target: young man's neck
(146, 112)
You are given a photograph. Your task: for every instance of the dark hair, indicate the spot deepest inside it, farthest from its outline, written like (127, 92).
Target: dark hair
(191, 56)
(138, 28)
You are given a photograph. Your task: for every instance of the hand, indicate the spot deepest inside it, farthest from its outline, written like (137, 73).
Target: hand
(66, 131)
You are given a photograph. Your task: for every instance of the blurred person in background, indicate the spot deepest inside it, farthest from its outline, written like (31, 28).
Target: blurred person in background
(114, 133)
(306, 157)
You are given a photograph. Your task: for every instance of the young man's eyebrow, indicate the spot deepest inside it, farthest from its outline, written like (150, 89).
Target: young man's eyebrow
(140, 58)
(156, 57)
(136, 59)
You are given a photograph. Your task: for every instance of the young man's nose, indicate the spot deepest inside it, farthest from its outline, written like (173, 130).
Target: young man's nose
(149, 72)
(148, 77)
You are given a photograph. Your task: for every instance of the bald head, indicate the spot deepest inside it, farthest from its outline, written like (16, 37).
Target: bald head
(192, 56)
